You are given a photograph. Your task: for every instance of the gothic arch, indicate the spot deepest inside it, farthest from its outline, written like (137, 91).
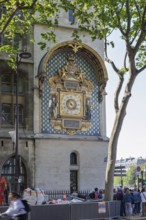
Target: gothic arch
(78, 49)
(93, 70)
(8, 168)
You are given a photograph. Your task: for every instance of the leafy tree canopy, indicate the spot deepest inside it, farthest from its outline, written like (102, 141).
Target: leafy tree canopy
(101, 17)
(17, 18)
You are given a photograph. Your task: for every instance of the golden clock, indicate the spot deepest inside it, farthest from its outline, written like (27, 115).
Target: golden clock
(71, 104)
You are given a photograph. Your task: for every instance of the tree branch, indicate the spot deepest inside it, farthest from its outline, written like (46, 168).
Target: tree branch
(8, 21)
(143, 22)
(137, 7)
(129, 18)
(143, 32)
(1, 2)
(19, 7)
(140, 70)
(140, 40)
(135, 35)
(117, 93)
(125, 61)
(107, 58)
(120, 26)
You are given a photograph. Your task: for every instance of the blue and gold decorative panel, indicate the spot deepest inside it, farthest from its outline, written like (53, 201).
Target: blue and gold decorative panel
(56, 62)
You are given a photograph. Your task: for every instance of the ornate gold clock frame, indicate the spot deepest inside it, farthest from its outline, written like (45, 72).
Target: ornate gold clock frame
(70, 99)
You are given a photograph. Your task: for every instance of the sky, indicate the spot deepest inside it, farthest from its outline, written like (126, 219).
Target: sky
(132, 142)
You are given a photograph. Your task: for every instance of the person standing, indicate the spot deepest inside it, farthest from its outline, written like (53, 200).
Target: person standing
(128, 199)
(16, 210)
(96, 193)
(143, 201)
(119, 195)
(137, 201)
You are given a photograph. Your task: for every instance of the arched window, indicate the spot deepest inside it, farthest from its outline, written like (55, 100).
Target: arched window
(73, 159)
(9, 171)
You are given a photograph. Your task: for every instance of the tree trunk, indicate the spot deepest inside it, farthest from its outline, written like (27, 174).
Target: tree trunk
(112, 148)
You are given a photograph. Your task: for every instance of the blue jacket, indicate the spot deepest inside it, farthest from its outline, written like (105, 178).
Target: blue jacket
(128, 198)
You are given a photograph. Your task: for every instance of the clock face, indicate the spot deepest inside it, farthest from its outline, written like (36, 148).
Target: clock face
(71, 104)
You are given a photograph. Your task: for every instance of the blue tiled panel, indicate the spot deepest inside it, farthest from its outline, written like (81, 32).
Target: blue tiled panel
(55, 63)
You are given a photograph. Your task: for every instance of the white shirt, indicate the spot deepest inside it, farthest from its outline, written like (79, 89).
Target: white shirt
(16, 208)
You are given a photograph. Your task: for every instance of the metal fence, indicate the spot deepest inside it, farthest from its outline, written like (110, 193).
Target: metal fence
(59, 194)
(52, 212)
(75, 211)
(95, 210)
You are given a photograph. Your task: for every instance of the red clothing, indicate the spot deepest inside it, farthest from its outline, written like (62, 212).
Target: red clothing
(3, 187)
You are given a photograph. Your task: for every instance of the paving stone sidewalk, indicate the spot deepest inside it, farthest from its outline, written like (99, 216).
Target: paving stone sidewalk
(134, 218)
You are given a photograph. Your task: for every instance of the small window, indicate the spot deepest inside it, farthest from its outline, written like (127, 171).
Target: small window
(73, 181)
(6, 113)
(6, 82)
(70, 14)
(73, 159)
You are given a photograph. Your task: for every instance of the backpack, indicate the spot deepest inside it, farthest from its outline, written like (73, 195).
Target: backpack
(92, 195)
(119, 195)
(26, 205)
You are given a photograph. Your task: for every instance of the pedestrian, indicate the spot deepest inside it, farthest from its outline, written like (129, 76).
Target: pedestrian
(128, 199)
(143, 201)
(120, 197)
(137, 201)
(100, 196)
(16, 210)
(96, 193)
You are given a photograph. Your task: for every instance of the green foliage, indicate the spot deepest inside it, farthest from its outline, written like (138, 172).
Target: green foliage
(122, 71)
(17, 18)
(100, 17)
(131, 177)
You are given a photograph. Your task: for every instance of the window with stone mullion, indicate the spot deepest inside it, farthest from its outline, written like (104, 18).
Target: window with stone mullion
(6, 113)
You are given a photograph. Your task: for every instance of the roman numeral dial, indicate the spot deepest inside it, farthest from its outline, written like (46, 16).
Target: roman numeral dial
(71, 104)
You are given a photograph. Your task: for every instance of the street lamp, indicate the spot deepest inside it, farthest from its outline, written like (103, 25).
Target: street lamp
(19, 56)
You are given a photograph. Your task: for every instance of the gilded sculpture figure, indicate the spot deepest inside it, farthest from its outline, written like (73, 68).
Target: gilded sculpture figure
(71, 70)
(53, 106)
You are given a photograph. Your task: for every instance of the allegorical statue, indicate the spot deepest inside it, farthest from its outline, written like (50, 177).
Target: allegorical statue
(53, 106)
(88, 110)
